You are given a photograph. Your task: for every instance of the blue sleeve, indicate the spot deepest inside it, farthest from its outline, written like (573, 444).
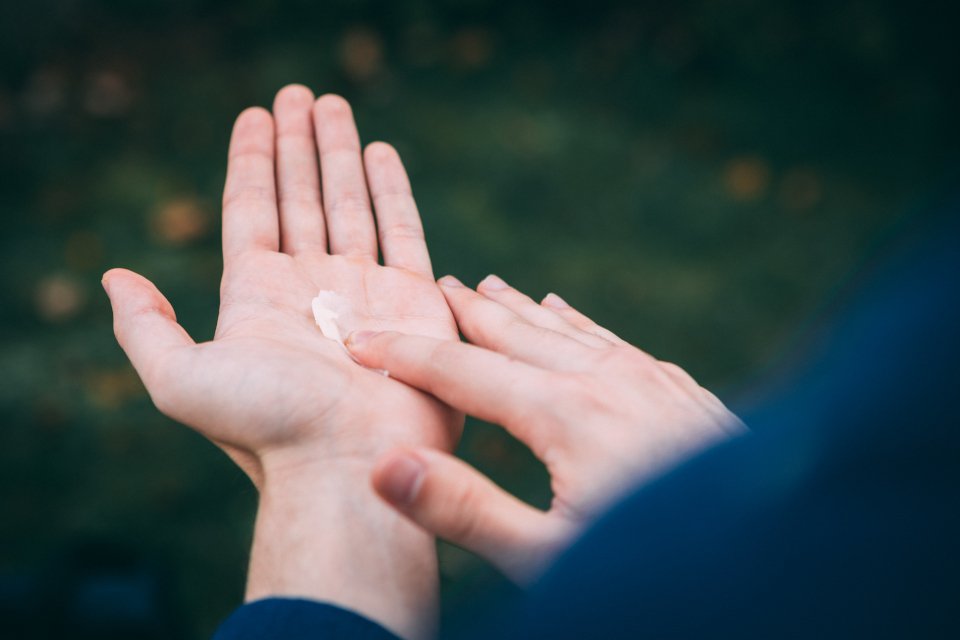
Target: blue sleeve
(836, 518)
(295, 619)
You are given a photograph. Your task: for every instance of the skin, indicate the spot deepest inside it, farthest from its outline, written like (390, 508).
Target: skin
(600, 413)
(305, 210)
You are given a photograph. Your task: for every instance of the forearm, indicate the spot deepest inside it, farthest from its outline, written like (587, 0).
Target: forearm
(323, 534)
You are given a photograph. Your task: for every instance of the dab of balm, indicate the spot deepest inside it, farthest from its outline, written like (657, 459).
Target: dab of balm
(333, 315)
(328, 308)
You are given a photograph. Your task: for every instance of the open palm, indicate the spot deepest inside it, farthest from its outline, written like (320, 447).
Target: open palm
(270, 384)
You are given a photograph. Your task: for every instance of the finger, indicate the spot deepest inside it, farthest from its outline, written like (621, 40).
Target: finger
(482, 383)
(249, 196)
(455, 502)
(491, 325)
(715, 405)
(496, 289)
(298, 172)
(679, 375)
(147, 330)
(580, 321)
(398, 222)
(346, 203)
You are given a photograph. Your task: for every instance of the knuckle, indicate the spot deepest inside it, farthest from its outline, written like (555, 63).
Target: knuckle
(340, 150)
(464, 523)
(384, 344)
(580, 322)
(617, 360)
(297, 193)
(471, 314)
(588, 398)
(543, 400)
(244, 157)
(349, 202)
(609, 336)
(497, 333)
(443, 356)
(248, 194)
(396, 197)
(498, 329)
(577, 319)
(674, 369)
(402, 231)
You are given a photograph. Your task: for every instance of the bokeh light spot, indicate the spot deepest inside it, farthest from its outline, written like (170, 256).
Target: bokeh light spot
(59, 298)
(179, 221)
(361, 54)
(746, 178)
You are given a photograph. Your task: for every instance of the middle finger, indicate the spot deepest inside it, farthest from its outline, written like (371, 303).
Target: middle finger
(298, 180)
(346, 202)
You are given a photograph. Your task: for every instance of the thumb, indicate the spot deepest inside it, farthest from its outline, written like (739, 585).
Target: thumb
(453, 501)
(145, 325)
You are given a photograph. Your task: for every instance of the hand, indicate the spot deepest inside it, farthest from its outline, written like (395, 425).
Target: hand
(598, 412)
(269, 388)
(288, 405)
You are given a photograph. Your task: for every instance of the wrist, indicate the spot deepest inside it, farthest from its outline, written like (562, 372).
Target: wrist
(323, 534)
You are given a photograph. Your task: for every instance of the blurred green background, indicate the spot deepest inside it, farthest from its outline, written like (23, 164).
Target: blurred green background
(698, 176)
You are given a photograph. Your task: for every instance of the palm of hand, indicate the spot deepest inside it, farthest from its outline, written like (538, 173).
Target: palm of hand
(269, 357)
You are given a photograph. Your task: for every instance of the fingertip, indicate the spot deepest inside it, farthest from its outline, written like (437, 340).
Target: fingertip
(123, 277)
(108, 276)
(332, 103)
(450, 282)
(252, 131)
(110, 273)
(379, 151)
(492, 283)
(398, 477)
(357, 340)
(130, 292)
(294, 95)
(555, 301)
(253, 117)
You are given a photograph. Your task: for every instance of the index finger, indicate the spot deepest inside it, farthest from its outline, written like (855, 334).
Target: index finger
(483, 383)
(398, 221)
(346, 200)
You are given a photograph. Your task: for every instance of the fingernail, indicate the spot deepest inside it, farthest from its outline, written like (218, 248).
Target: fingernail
(555, 301)
(449, 281)
(105, 283)
(493, 283)
(400, 481)
(359, 338)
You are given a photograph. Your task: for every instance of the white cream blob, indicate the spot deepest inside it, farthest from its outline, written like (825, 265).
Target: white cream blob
(328, 309)
(336, 319)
